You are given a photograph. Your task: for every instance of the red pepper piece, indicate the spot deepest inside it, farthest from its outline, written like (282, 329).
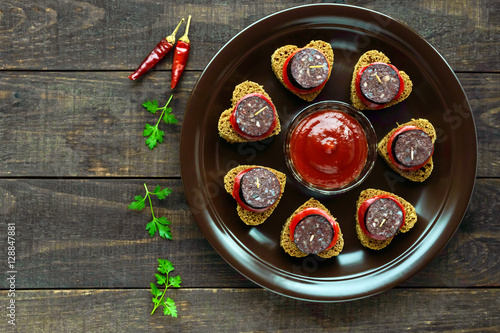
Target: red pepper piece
(160, 50)
(181, 55)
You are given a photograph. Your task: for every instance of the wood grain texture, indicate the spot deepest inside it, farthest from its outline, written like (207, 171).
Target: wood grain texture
(482, 92)
(117, 36)
(80, 234)
(76, 124)
(254, 310)
(89, 35)
(89, 124)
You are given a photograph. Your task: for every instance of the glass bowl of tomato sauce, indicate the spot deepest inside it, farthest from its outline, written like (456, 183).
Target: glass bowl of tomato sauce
(330, 147)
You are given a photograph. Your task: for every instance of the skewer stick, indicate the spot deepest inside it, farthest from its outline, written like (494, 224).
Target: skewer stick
(256, 113)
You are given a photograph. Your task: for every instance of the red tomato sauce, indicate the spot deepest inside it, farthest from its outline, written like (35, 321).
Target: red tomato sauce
(328, 149)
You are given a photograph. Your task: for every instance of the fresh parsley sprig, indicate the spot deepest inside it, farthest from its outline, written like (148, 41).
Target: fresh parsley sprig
(158, 224)
(154, 134)
(169, 307)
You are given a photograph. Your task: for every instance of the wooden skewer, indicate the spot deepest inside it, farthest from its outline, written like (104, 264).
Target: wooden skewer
(265, 107)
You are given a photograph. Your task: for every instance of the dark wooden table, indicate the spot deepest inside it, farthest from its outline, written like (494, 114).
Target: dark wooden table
(72, 157)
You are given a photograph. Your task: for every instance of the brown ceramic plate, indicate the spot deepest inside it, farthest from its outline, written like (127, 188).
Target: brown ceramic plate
(357, 272)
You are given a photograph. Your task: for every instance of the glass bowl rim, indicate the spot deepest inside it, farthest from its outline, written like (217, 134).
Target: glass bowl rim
(365, 124)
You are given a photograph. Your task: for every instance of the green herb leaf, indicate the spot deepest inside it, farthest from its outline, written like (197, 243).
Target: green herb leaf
(151, 106)
(155, 291)
(170, 118)
(160, 279)
(175, 281)
(156, 301)
(151, 228)
(164, 232)
(162, 194)
(158, 224)
(148, 130)
(154, 134)
(169, 307)
(151, 142)
(165, 266)
(162, 220)
(138, 204)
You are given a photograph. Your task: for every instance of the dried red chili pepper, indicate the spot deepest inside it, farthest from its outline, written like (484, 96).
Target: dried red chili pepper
(181, 55)
(160, 50)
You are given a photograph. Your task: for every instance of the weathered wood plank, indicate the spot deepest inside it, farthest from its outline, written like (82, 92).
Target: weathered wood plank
(98, 35)
(482, 92)
(80, 234)
(89, 35)
(90, 124)
(75, 124)
(253, 310)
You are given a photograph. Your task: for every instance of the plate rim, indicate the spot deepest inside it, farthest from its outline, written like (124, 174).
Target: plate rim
(218, 246)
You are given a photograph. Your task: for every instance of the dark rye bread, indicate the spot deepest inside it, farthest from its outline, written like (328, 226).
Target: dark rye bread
(374, 244)
(226, 131)
(424, 172)
(280, 55)
(252, 218)
(289, 245)
(366, 59)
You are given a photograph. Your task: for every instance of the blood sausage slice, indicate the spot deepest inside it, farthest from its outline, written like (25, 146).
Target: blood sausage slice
(259, 188)
(383, 218)
(412, 148)
(313, 234)
(308, 69)
(379, 83)
(254, 116)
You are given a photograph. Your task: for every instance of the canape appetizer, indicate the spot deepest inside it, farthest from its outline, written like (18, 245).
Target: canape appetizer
(304, 71)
